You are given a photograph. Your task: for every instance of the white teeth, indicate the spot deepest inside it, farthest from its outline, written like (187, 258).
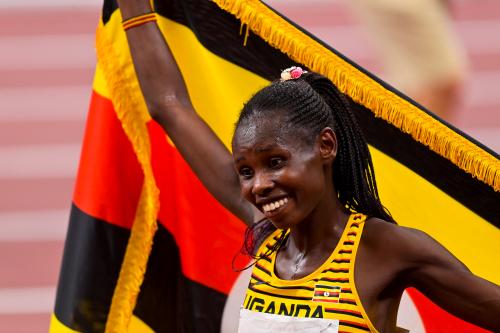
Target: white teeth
(274, 205)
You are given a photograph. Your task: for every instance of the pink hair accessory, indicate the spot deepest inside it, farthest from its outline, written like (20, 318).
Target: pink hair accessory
(293, 72)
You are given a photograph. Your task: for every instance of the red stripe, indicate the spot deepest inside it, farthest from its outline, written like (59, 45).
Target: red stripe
(139, 22)
(321, 293)
(138, 18)
(353, 323)
(344, 311)
(109, 179)
(437, 320)
(326, 300)
(208, 235)
(348, 300)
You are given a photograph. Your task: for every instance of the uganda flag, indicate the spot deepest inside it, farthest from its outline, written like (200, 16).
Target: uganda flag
(149, 250)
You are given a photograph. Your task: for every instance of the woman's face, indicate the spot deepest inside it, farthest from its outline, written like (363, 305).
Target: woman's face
(280, 173)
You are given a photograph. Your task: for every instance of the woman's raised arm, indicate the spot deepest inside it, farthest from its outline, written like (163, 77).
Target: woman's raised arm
(168, 103)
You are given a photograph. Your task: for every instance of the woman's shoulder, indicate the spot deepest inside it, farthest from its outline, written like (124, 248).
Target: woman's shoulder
(407, 247)
(380, 236)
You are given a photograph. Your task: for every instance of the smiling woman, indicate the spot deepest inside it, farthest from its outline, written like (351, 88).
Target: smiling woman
(329, 256)
(291, 140)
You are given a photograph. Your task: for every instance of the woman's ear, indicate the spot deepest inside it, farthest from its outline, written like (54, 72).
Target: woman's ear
(327, 141)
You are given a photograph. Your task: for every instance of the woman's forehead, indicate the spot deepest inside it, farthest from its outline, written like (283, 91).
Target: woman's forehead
(259, 130)
(268, 132)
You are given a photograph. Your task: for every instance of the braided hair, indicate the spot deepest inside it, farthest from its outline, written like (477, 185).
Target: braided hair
(312, 103)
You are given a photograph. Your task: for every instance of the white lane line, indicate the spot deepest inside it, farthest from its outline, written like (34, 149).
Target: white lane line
(45, 103)
(353, 40)
(39, 161)
(477, 35)
(44, 225)
(27, 300)
(481, 89)
(50, 3)
(77, 50)
(48, 51)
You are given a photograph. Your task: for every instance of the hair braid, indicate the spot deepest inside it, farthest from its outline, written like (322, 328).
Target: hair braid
(354, 176)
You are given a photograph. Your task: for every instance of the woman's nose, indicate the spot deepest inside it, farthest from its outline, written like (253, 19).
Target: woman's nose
(262, 185)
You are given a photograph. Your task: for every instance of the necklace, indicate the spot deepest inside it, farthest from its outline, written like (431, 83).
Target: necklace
(298, 263)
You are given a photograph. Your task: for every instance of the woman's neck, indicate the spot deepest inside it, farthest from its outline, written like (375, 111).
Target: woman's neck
(322, 228)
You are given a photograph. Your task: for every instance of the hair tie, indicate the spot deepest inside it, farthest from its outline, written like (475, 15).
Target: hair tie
(293, 72)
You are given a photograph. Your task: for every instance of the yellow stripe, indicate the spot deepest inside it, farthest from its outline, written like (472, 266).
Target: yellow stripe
(99, 85)
(417, 203)
(220, 101)
(57, 327)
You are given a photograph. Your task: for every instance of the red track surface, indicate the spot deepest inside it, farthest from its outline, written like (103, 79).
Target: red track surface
(46, 68)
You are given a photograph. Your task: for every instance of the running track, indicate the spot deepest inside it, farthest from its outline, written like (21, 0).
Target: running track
(46, 68)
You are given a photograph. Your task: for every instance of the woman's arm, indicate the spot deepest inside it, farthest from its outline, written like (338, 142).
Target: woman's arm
(446, 281)
(168, 103)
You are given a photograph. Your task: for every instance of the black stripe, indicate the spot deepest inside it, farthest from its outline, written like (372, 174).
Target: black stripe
(327, 287)
(262, 269)
(279, 296)
(341, 261)
(168, 301)
(266, 258)
(255, 277)
(343, 323)
(334, 280)
(343, 312)
(347, 301)
(204, 17)
(469, 191)
(93, 253)
(336, 270)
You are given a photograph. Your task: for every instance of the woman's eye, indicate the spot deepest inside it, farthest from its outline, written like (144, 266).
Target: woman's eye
(276, 162)
(246, 172)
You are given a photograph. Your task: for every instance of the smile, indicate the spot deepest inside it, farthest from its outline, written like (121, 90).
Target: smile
(271, 207)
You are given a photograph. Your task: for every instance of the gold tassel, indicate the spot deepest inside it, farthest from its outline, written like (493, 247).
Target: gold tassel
(247, 33)
(131, 110)
(365, 91)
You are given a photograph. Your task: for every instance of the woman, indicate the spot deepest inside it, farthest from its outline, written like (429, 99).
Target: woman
(329, 257)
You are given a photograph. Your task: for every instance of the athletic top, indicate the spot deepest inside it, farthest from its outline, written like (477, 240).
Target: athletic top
(323, 301)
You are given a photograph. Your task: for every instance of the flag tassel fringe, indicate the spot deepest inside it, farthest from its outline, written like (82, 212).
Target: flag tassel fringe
(131, 111)
(365, 91)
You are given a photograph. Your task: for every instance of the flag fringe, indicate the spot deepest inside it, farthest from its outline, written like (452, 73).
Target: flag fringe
(279, 33)
(132, 113)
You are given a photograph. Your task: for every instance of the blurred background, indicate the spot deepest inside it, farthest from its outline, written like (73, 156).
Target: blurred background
(46, 68)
